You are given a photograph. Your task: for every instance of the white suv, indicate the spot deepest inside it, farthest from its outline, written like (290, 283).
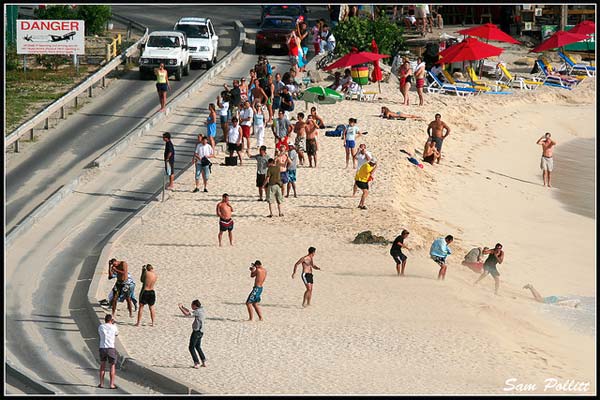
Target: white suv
(169, 48)
(203, 41)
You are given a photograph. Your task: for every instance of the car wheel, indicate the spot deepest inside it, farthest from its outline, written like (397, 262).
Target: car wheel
(210, 63)
(186, 70)
(178, 74)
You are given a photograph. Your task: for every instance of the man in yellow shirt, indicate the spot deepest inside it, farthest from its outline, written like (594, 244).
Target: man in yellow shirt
(362, 178)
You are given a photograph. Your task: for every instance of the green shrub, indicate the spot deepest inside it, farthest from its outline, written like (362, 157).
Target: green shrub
(95, 17)
(12, 59)
(52, 62)
(358, 32)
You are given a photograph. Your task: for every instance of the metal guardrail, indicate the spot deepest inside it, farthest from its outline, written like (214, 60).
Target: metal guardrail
(59, 104)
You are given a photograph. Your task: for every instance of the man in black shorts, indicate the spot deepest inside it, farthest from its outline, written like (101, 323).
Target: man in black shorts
(169, 159)
(261, 170)
(107, 351)
(396, 252)
(307, 275)
(147, 294)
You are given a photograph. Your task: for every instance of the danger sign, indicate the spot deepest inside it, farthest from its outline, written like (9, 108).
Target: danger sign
(36, 36)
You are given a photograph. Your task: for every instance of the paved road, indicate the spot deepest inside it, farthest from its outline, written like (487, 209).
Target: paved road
(65, 150)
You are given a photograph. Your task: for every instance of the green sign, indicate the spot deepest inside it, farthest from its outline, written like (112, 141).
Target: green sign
(586, 45)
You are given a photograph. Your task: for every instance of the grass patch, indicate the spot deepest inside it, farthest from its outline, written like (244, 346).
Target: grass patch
(29, 92)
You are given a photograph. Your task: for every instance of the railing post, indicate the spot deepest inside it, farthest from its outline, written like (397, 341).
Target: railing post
(76, 101)
(17, 146)
(47, 123)
(114, 46)
(119, 38)
(108, 52)
(90, 91)
(31, 135)
(62, 113)
(129, 31)
(104, 81)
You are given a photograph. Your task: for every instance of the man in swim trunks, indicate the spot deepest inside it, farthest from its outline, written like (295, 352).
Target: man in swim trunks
(496, 256)
(311, 140)
(147, 295)
(547, 162)
(557, 300)
(435, 131)
(119, 268)
(273, 181)
(283, 161)
(396, 252)
(224, 211)
(430, 152)
(419, 74)
(300, 141)
(439, 251)
(259, 273)
(308, 264)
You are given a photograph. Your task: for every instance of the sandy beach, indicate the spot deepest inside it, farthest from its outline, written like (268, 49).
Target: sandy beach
(369, 331)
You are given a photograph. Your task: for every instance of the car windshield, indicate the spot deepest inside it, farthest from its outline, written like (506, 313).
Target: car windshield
(284, 10)
(193, 31)
(163, 41)
(278, 23)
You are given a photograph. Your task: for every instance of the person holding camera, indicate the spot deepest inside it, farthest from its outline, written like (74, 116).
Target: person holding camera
(121, 287)
(197, 332)
(147, 294)
(496, 256)
(201, 159)
(107, 333)
(259, 273)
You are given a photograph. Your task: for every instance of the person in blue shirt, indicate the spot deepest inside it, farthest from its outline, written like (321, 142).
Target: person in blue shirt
(439, 251)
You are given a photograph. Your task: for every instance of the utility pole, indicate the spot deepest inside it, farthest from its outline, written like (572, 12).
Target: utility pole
(564, 16)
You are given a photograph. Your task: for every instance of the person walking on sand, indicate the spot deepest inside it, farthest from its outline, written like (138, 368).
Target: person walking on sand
(547, 162)
(224, 212)
(147, 294)
(273, 184)
(308, 264)
(259, 273)
(420, 79)
(495, 256)
(169, 156)
(201, 158)
(435, 131)
(439, 251)
(349, 136)
(107, 332)
(120, 268)
(396, 252)
(362, 178)
(162, 85)
(556, 300)
(195, 346)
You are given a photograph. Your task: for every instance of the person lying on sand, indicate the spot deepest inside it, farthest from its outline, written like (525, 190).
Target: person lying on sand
(386, 113)
(556, 300)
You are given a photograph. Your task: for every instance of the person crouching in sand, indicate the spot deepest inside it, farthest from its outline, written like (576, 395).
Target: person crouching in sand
(259, 273)
(473, 259)
(362, 178)
(430, 152)
(496, 256)
(439, 251)
(224, 212)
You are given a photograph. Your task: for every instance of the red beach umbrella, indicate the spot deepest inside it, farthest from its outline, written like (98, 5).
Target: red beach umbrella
(489, 32)
(377, 74)
(469, 49)
(559, 39)
(351, 59)
(586, 27)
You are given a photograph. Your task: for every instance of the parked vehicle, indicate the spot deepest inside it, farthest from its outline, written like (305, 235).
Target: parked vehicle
(203, 41)
(273, 34)
(169, 48)
(294, 11)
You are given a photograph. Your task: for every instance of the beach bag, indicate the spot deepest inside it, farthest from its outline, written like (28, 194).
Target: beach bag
(204, 161)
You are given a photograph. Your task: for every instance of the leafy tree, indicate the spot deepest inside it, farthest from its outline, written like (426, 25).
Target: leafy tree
(12, 59)
(95, 17)
(358, 32)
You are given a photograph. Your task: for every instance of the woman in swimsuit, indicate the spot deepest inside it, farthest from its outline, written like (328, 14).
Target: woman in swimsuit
(211, 124)
(386, 113)
(270, 92)
(243, 89)
(405, 81)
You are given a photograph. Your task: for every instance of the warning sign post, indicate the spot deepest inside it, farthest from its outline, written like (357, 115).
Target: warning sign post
(36, 36)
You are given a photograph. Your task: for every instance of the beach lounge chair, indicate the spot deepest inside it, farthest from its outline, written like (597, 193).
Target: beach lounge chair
(576, 69)
(509, 80)
(554, 80)
(487, 88)
(437, 86)
(450, 79)
(563, 73)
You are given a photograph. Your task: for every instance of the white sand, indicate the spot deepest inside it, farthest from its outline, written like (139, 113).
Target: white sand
(369, 331)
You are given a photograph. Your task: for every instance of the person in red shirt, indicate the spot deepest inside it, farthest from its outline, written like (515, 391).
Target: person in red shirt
(293, 46)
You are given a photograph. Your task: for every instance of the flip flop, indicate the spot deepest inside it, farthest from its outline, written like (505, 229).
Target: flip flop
(100, 386)
(116, 387)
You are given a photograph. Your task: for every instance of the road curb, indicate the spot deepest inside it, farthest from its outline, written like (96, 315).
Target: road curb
(145, 374)
(20, 375)
(104, 159)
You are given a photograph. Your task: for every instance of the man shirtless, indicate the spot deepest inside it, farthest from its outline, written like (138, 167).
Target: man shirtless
(547, 162)
(119, 268)
(419, 74)
(308, 264)
(224, 211)
(282, 161)
(300, 141)
(147, 295)
(435, 131)
(311, 140)
(258, 94)
(430, 153)
(318, 120)
(259, 273)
